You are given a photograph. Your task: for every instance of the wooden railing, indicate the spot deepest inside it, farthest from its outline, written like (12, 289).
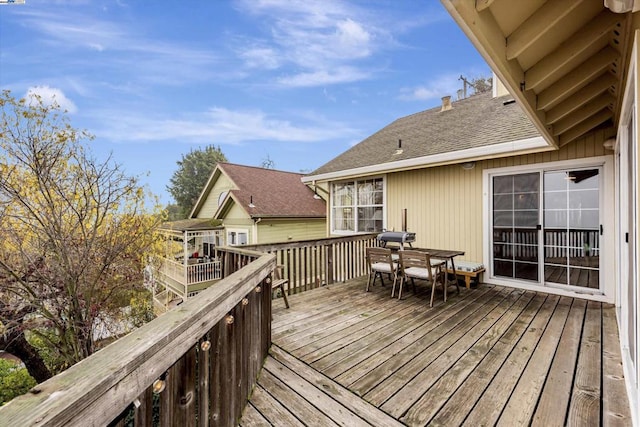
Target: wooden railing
(204, 272)
(205, 355)
(309, 264)
(523, 244)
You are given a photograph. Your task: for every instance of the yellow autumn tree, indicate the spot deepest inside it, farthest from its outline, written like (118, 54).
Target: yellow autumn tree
(76, 233)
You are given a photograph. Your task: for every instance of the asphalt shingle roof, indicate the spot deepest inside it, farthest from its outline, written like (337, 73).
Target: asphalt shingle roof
(274, 193)
(192, 224)
(477, 121)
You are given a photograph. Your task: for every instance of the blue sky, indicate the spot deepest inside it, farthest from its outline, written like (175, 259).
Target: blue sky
(295, 81)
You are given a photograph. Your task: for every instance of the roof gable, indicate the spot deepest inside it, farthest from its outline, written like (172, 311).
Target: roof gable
(474, 122)
(272, 193)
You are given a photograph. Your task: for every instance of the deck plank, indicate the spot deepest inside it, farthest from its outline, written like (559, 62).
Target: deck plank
(322, 402)
(363, 409)
(328, 344)
(525, 377)
(264, 407)
(387, 374)
(296, 338)
(363, 359)
(492, 325)
(386, 332)
(615, 409)
(288, 399)
(252, 418)
(405, 379)
(488, 356)
(496, 376)
(585, 398)
(489, 350)
(556, 393)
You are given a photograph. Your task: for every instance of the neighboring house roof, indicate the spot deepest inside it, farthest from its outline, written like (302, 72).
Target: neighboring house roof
(272, 193)
(471, 128)
(193, 224)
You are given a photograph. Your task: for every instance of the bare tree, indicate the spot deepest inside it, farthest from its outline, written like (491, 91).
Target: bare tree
(75, 231)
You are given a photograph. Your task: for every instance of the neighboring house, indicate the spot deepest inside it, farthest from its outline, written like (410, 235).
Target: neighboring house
(257, 205)
(559, 215)
(189, 264)
(239, 205)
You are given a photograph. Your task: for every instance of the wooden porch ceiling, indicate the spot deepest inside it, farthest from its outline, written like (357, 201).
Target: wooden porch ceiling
(490, 356)
(564, 60)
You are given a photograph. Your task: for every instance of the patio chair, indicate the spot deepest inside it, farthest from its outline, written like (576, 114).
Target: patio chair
(380, 262)
(279, 281)
(419, 265)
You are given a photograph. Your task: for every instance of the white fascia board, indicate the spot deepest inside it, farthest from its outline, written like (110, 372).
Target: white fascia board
(470, 154)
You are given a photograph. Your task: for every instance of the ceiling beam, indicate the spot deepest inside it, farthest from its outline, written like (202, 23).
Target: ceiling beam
(581, 97)
(587, 110)
(571, 82)
(548, 15)
(483, 4)
(580, 42)
(485, 34)
(585, 126)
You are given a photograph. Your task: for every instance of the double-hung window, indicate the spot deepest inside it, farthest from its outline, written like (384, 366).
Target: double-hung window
(357, 206)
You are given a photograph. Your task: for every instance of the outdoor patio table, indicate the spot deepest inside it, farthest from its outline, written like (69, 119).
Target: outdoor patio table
(447, 255)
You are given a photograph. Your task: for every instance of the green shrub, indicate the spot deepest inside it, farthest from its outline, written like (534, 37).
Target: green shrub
(14, 381)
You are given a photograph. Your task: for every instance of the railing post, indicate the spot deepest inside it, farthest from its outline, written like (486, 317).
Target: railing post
(329, 266)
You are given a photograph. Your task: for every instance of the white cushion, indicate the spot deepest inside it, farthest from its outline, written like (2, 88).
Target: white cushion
(469, 266)
(419, 272)
(383, 267)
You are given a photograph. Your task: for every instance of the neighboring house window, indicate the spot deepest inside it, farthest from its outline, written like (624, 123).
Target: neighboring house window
(358, 206)
(237, 237)
(221, 197)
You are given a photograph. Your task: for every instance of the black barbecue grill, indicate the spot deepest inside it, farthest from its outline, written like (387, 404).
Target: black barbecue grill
(400, 237)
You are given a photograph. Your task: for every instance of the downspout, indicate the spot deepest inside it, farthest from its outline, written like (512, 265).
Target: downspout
(255, 230)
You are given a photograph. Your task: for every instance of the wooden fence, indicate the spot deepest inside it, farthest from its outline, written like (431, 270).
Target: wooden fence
(309, 264)
(194, 365)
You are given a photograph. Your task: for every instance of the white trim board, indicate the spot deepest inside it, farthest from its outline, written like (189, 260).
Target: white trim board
(511, 148)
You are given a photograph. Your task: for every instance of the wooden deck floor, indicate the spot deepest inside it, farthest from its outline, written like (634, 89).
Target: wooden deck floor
(489, 356)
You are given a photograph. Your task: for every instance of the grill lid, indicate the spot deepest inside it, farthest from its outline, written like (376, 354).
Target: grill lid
(397, 236)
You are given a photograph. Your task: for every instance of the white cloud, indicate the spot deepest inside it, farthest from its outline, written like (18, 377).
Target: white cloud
(443, 85)
(219, 126)
(316, 39)
(51, 96)
(324, 77)
(353, 38)
(261, 57)
(95, 42)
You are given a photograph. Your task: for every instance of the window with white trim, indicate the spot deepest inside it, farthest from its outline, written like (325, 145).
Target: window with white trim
(357, 206)
(237, 237)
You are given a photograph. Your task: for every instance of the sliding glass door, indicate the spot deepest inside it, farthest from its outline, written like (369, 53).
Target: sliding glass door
(572, 227)
(516, 213)
(546, 227)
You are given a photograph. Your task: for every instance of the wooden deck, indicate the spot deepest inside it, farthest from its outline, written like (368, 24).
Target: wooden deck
(489, 356)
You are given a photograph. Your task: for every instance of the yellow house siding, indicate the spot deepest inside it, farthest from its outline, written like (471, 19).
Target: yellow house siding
(272, 231)
(444, 204)
(210, 205)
